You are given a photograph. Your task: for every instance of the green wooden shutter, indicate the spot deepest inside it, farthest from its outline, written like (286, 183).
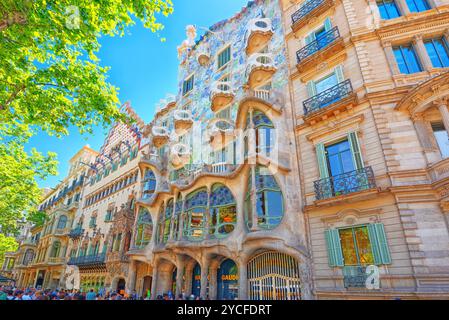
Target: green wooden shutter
(334, 248)
(327, 24)
(339, 74)
(379, 244)
(355, 150)
(322, 161)
(311, 89)
(310, 38)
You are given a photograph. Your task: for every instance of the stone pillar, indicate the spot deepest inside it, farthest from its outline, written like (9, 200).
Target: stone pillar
(213, 283)
(132, 276)
(154, 283)
(204, 280)
(391, 58)
(172, 224)
(179, 274)
(403, 7)
(208, 219)
(188, 281)
(422, 53)
(442, 106)
(243, 281)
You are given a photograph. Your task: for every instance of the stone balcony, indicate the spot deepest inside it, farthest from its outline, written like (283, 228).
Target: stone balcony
(160, 136)
(56, 261)
(260, 68)
(260, 31)
(183, 120)
(327, 46)
(330, 102)
(62, 232)
(203, 56)
(222, 94)
(153, 160)
(309, 10)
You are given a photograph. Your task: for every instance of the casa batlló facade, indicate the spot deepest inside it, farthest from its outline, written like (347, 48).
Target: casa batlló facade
(305, 153)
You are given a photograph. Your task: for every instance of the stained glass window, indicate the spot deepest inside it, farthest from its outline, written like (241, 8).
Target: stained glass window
(144, 230)
(356, 246)
(149, 184)
(195, 211)
(223, 211)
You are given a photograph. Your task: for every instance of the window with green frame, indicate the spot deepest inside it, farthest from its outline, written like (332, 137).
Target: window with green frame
(167, 220)
(265, 133)
(160, 224)
(133, 153)
(224, 57)
(114, 166)
(269, 200)
(223, 211)
(124, 160)
(178, 216)
(144, 230)
(358, 246)
(195, 215)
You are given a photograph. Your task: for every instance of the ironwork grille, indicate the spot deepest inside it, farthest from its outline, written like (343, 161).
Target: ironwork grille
(274, 276)
(328, 97)
(318, 44)
(354, 277)
(346, 183)
(88, 260)
(305, 9)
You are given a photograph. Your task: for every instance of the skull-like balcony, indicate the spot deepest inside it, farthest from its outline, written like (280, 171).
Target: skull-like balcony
(221, 132)
(183, 120)
(260, 69)
(222, 95)
(160, 136)
(260, 32)
(203, 56)
(180, 155)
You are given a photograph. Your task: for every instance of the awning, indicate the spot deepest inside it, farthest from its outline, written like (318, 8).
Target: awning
(6, 280)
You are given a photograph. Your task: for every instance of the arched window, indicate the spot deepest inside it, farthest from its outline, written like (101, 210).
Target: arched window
(55, 249)
(62, 222)
(149, 184)
(144, 230)
(195, 215)
(223, 211)
(269, 200)
(265, 133)
(160, 226)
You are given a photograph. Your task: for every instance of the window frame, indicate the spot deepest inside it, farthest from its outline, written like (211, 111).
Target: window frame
(222, 51)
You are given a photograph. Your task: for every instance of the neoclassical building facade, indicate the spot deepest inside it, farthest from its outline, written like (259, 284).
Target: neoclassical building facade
(306, 147)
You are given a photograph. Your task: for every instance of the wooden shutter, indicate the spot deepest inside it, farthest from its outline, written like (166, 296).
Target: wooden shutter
(327, 24)
(334, 248)
(339, 74)
(379, 244)
(311, 89)
(322, 160)
(355, 150)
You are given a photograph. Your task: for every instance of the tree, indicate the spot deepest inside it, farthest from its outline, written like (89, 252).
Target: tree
(51, 79)
(7, 244)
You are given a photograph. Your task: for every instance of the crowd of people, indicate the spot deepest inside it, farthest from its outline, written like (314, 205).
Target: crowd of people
(13, 293)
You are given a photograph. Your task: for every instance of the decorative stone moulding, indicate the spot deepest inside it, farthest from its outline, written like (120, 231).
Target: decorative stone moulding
(160, 136)
(203, 57)
(221, 132)
(260, 31)
(180, 154)
(222, 94)
(260, 69)
(183, 120)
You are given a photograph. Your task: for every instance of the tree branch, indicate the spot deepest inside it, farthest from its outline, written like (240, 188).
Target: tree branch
(15, 18)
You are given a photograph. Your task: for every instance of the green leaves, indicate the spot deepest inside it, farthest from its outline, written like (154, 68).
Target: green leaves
(7, 244)
(50, 79)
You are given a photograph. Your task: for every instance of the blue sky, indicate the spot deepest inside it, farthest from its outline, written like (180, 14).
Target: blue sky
(143, 67)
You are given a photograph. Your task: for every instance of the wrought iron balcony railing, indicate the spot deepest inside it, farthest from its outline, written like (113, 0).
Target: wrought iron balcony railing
(305, 9)
(318, 44)
(328, 97)
(88, 260)
(76, 233)
(346, 183)
(354, 277)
